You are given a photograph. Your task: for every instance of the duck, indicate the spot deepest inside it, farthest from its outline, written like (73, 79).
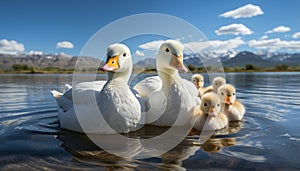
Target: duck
(198, 81)
(119, 106)
(217, 82)
(172, 101)
(210, 117)
(233, 109)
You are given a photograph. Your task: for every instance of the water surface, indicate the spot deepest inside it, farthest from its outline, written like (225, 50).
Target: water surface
(268, 138)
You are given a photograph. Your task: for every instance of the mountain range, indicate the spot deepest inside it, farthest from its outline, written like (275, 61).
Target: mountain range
(68, 62)
(239, 60)
(48, 60)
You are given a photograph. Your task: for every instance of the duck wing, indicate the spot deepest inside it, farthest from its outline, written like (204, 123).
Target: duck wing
(148, 85)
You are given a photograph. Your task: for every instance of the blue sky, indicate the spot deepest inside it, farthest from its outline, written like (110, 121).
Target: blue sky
(52, 26)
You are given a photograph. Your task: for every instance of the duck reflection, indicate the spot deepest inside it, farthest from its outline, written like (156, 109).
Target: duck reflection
(217, 144)
(86, 151)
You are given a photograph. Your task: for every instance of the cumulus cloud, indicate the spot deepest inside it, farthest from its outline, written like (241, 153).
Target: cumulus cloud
(235, 29)
(215, 46)
(64, 44)
(11, 47)
(263, 37)
(275, 44)
(139, 53)
(246, 11)
(154, 45)
(296, 35)
(279, 29)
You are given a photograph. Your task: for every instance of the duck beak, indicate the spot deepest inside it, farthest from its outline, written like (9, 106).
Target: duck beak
(112, 64)
(212, 112)
(177, 62)
(228, 100)
(198, 84)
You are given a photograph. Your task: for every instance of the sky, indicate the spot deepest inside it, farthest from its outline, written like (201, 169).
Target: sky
(230, 26)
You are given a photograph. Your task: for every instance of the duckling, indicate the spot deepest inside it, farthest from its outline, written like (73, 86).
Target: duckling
(198, 81)
(217, 82)
(209, 116)
(233, 109)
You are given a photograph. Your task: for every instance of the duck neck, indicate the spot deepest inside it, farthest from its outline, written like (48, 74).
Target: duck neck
(168, 77)
(118, 77)
(225, 106)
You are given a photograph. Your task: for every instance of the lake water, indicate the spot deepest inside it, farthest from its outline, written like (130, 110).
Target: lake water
(267, 139)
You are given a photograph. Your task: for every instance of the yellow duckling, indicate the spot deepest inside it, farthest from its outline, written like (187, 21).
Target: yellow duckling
(233, 109)
(198, 81)
(209, 116)
(217, 82)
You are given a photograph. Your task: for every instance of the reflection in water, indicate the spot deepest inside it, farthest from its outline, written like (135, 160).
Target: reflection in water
(85, 151)
(267, 138)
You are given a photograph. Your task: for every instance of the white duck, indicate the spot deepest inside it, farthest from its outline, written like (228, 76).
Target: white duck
(217, 82)
(118, 105)
(210, 116)
(198, 81)
(170, 97)
(233, 109)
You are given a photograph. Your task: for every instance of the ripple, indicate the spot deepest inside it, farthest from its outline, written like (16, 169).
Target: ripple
(32, 140)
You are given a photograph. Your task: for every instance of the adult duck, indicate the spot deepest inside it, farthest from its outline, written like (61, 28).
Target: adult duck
(118, 105)
(171, 99)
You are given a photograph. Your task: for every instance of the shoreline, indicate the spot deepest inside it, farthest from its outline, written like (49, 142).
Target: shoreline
(144, 72)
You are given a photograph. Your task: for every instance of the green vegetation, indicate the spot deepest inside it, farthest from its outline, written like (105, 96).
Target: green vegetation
(25, 69)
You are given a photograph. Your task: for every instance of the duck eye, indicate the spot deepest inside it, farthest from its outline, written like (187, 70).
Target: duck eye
(233, 94)
(124, 54)
(167, 50)
(222, 94)
(205, 104)
(218, 105)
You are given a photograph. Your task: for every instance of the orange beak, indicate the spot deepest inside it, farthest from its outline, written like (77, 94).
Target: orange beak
(112, 64)
(198, 84)
(177, 62)
(228, 100)
(212, 112)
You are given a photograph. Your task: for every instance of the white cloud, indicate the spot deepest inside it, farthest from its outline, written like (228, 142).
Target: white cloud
(64, 44)
(139, 53)
(279, 29)
(275, 44)
(11, 47)
(215, 46)
(154, 45)
(263, 37)
(246, 11)
(35, 52)
(235, 29)
(296, 35)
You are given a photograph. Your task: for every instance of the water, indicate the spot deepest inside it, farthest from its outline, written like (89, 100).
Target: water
(267, 139)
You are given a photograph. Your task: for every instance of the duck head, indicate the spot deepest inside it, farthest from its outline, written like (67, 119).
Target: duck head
(217, 82)
(227, 94)
(210, 104)
(118, 61)
(198, 80)
(170, 57)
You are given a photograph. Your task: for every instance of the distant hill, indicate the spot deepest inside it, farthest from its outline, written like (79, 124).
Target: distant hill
(44, 61)
(68, 62)
(239, 60)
